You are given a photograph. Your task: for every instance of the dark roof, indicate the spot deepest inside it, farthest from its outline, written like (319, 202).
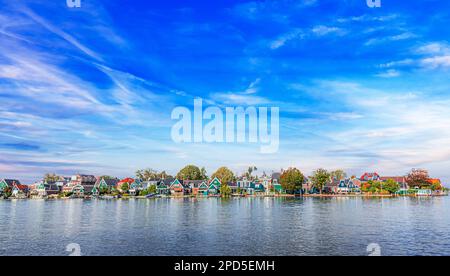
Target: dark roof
(194, 183)
(22, 187)
(11, 182)
(111, 182)
(51, 187)
(168, 181)
(335, 183)
(276, 176)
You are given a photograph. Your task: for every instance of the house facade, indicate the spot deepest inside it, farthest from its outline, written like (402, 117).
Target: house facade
(80, 184)
(177, 188)
(214, 187)
(349, 185)
(126, 182)
(20, 191)
(370, 177)
(163, 187)
(8, 183)
(104, 185)
(44, 189)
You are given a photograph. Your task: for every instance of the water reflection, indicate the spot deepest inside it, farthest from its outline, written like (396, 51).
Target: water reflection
(235, 226)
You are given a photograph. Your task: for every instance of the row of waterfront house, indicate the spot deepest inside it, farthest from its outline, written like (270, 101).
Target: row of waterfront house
(90, 185)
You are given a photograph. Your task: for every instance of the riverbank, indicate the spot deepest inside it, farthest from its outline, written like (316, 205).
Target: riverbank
(233, 196)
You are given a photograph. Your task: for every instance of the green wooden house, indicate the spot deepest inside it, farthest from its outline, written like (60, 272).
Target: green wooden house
(214, 186)
(5, 183)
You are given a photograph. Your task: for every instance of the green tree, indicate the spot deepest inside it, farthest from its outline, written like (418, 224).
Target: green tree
(224, 174)
(124, 187)
(225, 190)
(51, 177)
(7, 192)
(292, 180)
(320, 178)
(190, 172)
(203, 173)
(249, 172)
(103, 190)
(338, 174)
(152, 189)
(391, 186)
(107, 177)
(146, 174)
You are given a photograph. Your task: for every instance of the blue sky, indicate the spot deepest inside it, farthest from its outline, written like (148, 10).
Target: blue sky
(91, 90)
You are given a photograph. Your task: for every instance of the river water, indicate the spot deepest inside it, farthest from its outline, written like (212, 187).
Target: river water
(238, 226)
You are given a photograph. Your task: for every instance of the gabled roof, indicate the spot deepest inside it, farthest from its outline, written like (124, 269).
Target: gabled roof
(11, 182)
(194, 183)
(125, 180)
(215, 179)
(167, 181)
(276, 176)
(21, 187)
(369, 176)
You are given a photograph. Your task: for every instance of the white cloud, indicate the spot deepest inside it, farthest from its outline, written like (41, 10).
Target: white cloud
(391, 73)
(283, 39)
(324, 30)
(436, 62)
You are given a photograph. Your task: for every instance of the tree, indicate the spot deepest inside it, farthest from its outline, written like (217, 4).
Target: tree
(107, 177)
(320, 178)
(418, 178)
(124, 187)
(249, 172)
(224, 174)
(391, 186)
(51, 178)
(225, 190)
(203, 173)
(146, 174)
(190, 172)
(163, 175)
(292, 180)
(338, 175)
(152, 189)
(7, 192)
(103, 190)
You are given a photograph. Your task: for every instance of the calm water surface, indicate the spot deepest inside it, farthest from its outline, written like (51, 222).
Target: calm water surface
(244, 226)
